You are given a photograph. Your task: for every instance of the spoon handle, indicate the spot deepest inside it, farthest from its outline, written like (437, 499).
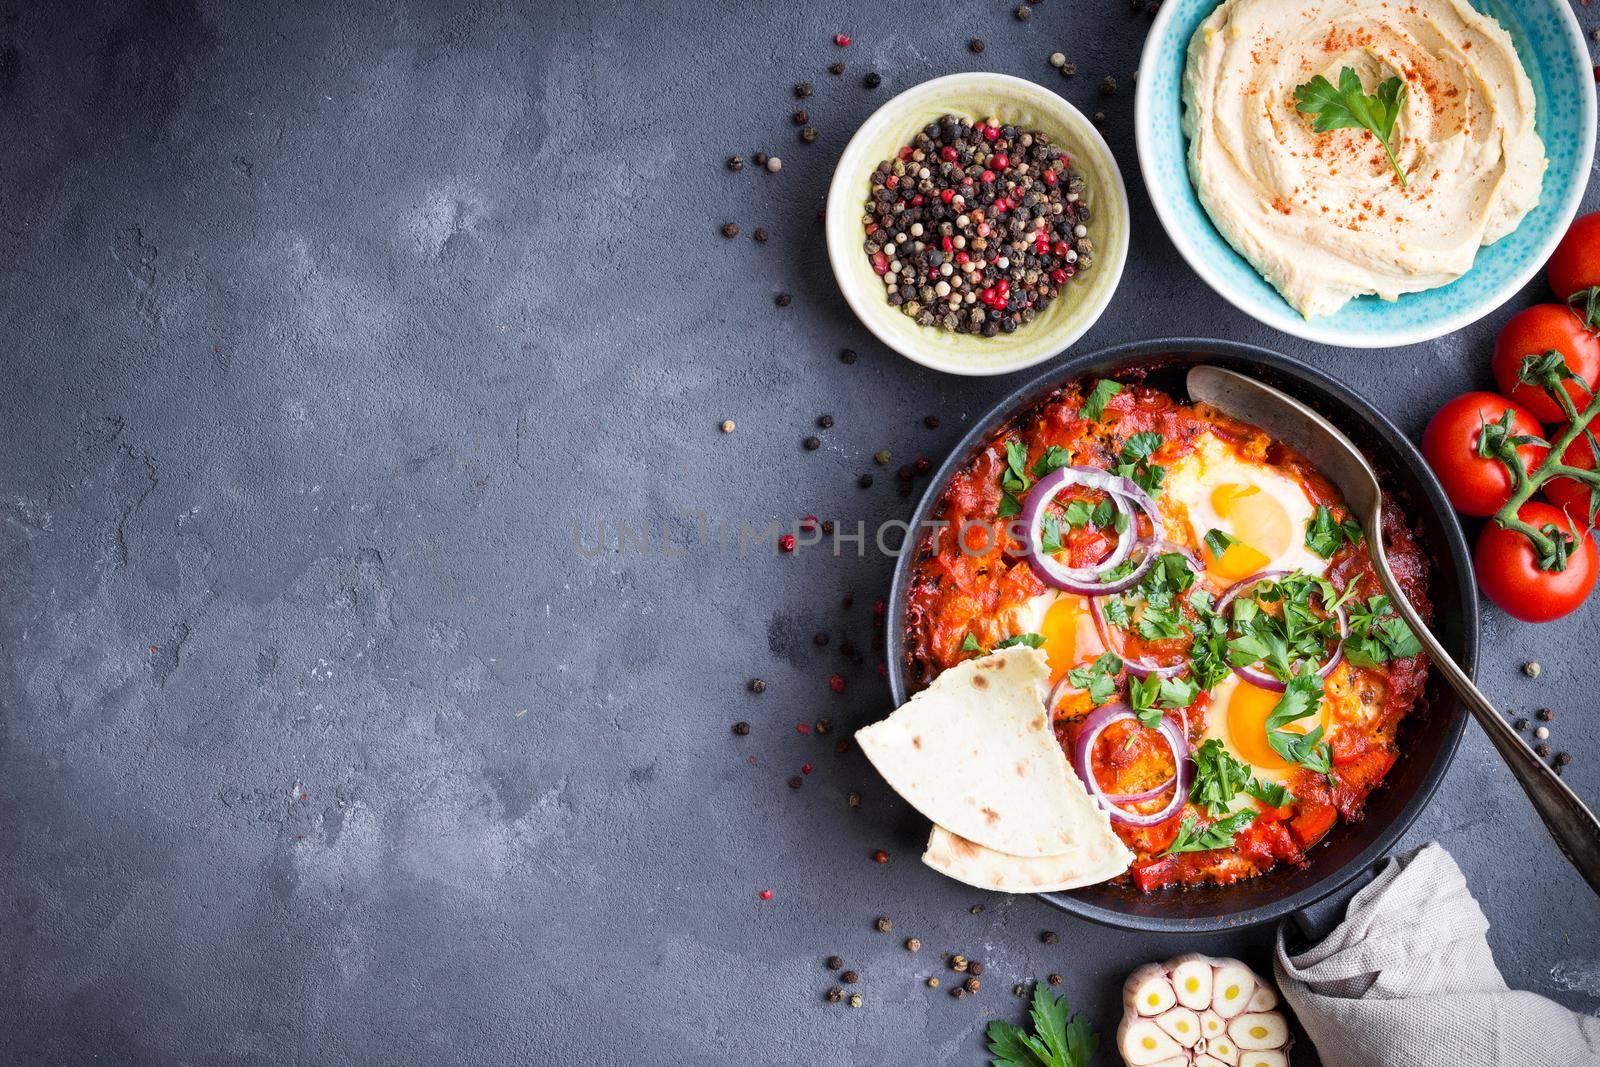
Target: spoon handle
(1569, 820)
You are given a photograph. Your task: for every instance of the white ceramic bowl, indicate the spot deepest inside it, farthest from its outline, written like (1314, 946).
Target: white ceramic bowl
(978, 96)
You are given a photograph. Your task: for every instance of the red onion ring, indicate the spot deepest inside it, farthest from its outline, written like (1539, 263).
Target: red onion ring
(1086, 581)
(1262, 679)
(1082, 761)
(1142, 667)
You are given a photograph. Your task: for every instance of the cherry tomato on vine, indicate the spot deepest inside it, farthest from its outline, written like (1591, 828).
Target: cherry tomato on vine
(1509, 573)
(1576, 263)
(1534, 331)
(1566, 494)
(1476, 485)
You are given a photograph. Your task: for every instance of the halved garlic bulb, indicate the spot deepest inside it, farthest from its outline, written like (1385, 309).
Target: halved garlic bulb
(1196, 1011)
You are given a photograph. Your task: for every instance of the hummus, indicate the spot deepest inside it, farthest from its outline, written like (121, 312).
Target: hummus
(1323, 216)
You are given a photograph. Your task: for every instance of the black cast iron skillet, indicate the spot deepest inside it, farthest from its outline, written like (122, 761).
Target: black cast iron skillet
(1428, 737)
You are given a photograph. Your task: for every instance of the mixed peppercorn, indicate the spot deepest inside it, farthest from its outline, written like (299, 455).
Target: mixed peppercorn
(977, 227)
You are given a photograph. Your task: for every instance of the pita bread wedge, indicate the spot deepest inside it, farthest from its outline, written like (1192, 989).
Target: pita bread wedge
(974, 752)
(1102, 858)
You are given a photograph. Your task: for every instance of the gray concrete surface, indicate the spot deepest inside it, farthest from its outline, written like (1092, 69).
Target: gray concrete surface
(321, 741)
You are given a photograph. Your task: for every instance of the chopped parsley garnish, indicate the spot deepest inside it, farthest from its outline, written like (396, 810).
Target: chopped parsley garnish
(1376, 636)
(1220, 776)
(1134, 462)
(1014, 480)
(1294, 634)
(970, 644)
(1219, 541)
(1094, 405)
(1061, 1038)
(1145, 694)
(1324, 534)
(1192, 837)
(1099, 678)
(1055, 457)
(1301, 697)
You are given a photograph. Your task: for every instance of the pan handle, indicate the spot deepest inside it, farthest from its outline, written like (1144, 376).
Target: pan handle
(1316, 921)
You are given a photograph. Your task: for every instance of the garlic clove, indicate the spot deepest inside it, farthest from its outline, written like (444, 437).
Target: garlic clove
(1263, 999)
(1212, 1025)
(1191, 981)
(1264, 1058)
(1259, 1030)
(1182, 1024)
(1144, 1044)
(1148, 992)
(1224, 1050)
(1232, 989)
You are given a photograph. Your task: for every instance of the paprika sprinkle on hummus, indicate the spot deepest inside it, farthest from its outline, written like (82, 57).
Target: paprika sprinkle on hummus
(1351, 147)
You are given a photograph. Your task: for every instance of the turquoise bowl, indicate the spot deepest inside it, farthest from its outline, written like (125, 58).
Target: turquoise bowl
(1555, 55)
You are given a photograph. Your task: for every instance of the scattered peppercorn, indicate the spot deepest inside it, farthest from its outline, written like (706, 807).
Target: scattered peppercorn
(958, 992)
(1019, 990)
(1023, 13)
(847, 356)
(827, 527)
(1098, 118)
(882, 924)
(774, 164)
(842, 746)
(728, 426)
(1545, 715)
(801, 117)
(974, 967)
(977, 45)
(882, 457)
(849, 978)
(834, 963)
(1542, 748)
(819, 639)
(872, 80)
(958, 963)
(1542, 732)
(796, 782)
(1108, 85)
(765, 894)
(1563, 758)
(931, 421)
(761, 235)
(1068, 69)
(1049, 937)
(730, 229)
(786, 543)
(854, 800)
(855, 1000)
(976, 909)
(904, 474)
(742, 729)
(1531, 669)
(836, 69)
(825, 421)
(1520, 724)
(972, 985)
(933, 982)
(923, 465)
(812, 443)
(913, 945)
(757, 685)
(835, 995)
(1058, 60)
(1055, 979)
(802, 90)
(783, 300)
(842, 40)
(761, 159)
(809, 134)
(824, 726)
(880, 857)
(865, 481)
(836, 683)
(736, 163)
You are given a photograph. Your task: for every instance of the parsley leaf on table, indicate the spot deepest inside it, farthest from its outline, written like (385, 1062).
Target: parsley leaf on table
(1349, 107)
(1065, 1038)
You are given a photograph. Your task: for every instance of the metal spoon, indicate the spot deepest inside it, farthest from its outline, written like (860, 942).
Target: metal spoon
(1570, 822)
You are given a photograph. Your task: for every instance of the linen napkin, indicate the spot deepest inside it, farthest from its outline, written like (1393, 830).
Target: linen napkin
(1407, 980)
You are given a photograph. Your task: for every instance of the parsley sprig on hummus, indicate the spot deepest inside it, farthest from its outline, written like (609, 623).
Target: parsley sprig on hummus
(1349, 107)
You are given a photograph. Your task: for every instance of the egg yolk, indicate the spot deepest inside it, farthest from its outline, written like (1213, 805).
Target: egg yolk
(1248, 709)
(1070, 638)
(1259, 522)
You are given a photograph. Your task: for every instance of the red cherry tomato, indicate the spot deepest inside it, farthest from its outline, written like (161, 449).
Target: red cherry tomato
(1509, 574)
(1534, 331)
(1576, 263)
(1476, 485)
(1566, 494)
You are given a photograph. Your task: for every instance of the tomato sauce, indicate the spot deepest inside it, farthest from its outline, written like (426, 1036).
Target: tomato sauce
(968, 573)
